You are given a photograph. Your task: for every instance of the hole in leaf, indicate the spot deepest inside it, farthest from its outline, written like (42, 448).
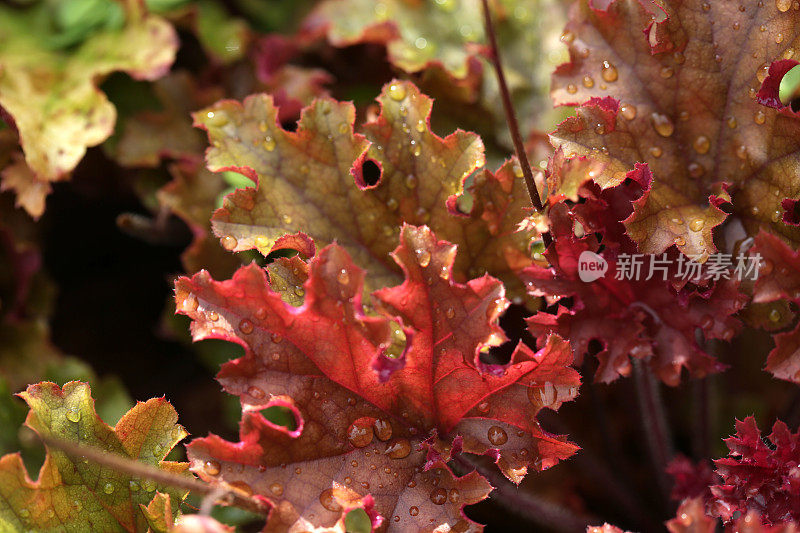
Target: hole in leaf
(370, 173)
(289, 125)
(281, 416)
(513, 323)
(357, 521)
(789, 90)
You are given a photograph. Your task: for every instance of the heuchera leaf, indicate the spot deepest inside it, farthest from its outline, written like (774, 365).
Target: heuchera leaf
(655, 320)
(367, 423)
(779, 281)
(192, 195)
(312, 181)
(77, 495)
(52, 97)
(757, 477)
(691, 518)
(681, 98)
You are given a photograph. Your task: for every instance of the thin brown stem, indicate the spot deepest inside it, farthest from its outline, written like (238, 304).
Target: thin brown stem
(654, 424)
(118, 463)
(527, 505)
(511, 118)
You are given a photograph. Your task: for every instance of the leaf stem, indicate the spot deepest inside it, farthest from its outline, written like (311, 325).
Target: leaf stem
(654, 423)
(118, 463)
(524, 504)
(511, 118)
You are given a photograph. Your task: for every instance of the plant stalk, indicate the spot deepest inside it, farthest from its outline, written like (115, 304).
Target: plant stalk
(511, 117)
(526, 505)
(220, 493)
(654, 424)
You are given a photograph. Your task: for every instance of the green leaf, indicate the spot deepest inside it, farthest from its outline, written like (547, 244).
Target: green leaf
(77, 495)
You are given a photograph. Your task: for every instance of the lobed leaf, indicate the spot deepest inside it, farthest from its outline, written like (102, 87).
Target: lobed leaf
(51, 95)
(76, 495)
(373, 417)
(312, 180)
(681, 98)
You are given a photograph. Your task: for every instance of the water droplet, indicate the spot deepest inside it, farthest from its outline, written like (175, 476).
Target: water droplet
(212, 468)
(245, 326)
(420, 126)
(628, 111)
(298, 470)
(344, 128)
(588, 82)
(108, 488)
(399, 449)
(706, 6)
(696, 170)
(760, 117)
(73, 414)
(343, 277)
(567, 37)
(360, 433)
(667, 72)
(571, 88)
(269, 143)
(328, 501)
(24, 513)
(410, 181)
(228, 242)
(256, 392)
(680, 241)
(77, 505)
(662, 124)
(483, 407)
(755, 210)
(783, 5)
(731, 121)
(216, 119)
(497, 436)
(212, 316)
(423, 258)
(701, 144)
(609, 72)
(276, 338)
(383, 429)
(397, 92)
(696, 224)
(600, 128)
(299, 291)
(439, 496)
(413, 511)
(450, 312)
(276, 489)
(157, 450)
(775, 315)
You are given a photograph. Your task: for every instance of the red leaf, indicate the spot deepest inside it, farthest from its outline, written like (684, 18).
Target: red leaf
(759, 477)
(385, 432)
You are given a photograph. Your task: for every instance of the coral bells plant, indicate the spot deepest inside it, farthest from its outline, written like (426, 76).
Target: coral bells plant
(505, 279)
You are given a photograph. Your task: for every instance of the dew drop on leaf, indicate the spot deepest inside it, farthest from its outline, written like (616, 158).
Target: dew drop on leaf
(397, 92)
(410, 181)
(588, 82)
(775, 315)
(423, 258)
(696, 170)
(628, 111)
(450, 312)
(228, 242)
(134, 486)
(760, 117)
(269, 143)
(328, 501)
(212, 316)
(662, 124)
(655, 151)
(571, 89)
(399, 449)
(696, 224)
(497, 436)
(609, 72)
(383, 429)
(212, 468)
(783, 5)
(275, 338)
(108, 488)
(256, 392)
(276, 489)
(439, 496)
(245, 326)
(413, 511)
(73, 414)
(360, 433)
(157, 449)
(701, 144)
(343, 277)
(667, 72)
